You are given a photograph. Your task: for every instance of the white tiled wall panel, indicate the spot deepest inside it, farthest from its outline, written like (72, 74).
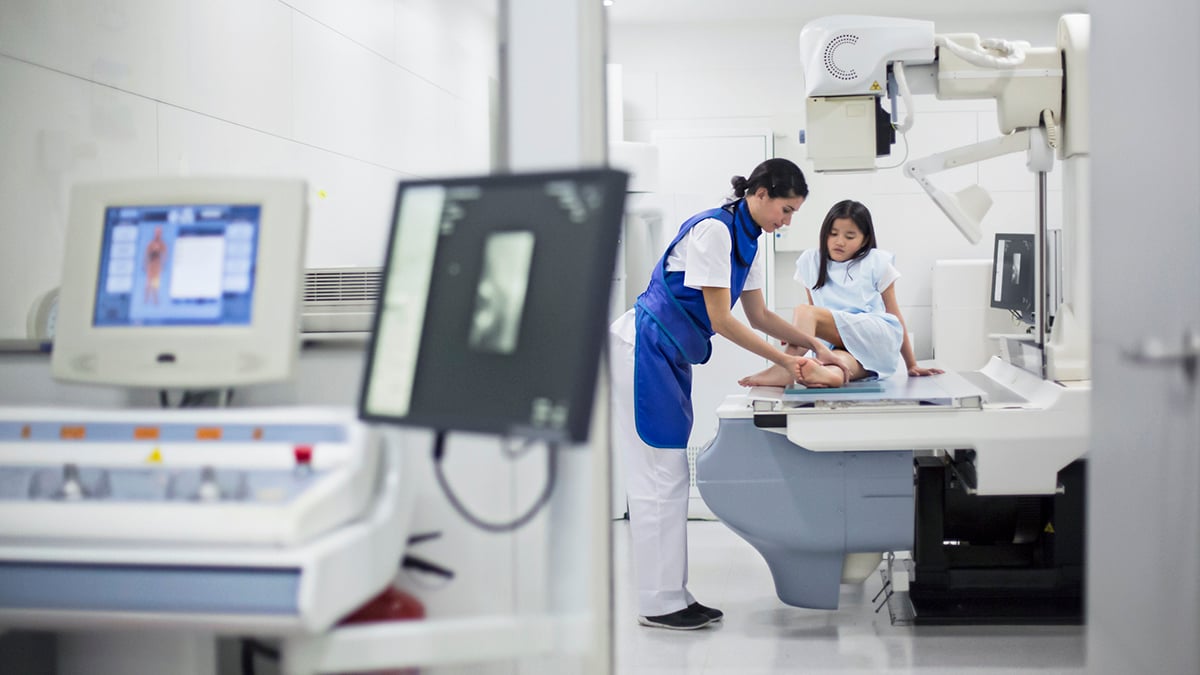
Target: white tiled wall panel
(441, 43)
(370, 23)
(232, 59)
(744, 91)
(350, 96)
(341, 104)
(128, 44)
(57, 131)
(350, 200)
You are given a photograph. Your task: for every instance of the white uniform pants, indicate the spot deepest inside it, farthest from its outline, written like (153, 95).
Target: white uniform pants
(656, 482)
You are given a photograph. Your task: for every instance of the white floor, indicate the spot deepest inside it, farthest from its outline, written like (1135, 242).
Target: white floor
(762, 635)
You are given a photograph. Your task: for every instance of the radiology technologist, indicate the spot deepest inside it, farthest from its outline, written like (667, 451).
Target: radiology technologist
(712, 262)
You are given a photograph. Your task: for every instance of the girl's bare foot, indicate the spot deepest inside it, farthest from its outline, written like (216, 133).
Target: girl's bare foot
(775, 376)
(816, 374)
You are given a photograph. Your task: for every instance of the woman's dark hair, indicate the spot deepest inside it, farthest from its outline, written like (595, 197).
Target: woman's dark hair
(861, 217)
(779, 176)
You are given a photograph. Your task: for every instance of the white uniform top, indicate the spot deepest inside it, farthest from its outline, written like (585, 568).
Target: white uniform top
(852, 294)
(703, 257)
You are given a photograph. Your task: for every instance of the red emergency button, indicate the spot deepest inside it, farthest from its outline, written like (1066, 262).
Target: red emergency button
(303, 454)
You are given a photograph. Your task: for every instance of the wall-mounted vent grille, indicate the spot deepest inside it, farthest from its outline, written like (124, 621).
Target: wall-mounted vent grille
(340, 300)
(831, 50)
(336, 286)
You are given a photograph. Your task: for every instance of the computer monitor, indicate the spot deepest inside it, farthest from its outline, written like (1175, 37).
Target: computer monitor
(1014, 265)
(181, 283)
(494, 303)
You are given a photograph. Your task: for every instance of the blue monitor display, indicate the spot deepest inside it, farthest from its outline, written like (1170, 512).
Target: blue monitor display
(177, 265)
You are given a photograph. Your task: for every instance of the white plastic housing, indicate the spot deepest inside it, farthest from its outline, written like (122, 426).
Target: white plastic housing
(1021, 93)
(164, 356)
(1074, 31)
(848, 55)
(841, 133)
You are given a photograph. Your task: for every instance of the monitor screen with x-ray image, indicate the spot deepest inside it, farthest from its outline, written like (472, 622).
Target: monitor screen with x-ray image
(494, 305)
(1014, 265)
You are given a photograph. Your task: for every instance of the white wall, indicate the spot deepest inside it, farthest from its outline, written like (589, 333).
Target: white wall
(349, 95)
(748, 74)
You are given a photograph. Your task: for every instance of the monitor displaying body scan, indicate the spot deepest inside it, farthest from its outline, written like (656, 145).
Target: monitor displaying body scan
(181, 283)
(494, 304)
(1014, 265)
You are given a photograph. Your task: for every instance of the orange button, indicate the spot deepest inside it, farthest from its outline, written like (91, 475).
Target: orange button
(208, 433)
(145, 433)
(72, 433)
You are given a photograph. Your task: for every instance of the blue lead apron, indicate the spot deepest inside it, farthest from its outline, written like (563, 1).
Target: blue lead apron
(674, 332)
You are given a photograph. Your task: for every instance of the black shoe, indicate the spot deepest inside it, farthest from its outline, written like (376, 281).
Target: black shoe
(684, 619)
(713, 614)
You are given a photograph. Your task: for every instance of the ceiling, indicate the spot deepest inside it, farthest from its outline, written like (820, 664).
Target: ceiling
(705, 11)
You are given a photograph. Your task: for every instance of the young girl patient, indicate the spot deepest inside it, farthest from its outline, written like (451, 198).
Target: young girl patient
(851, 288)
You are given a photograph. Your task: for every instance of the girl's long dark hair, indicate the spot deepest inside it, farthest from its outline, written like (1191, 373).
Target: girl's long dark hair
(861, 217)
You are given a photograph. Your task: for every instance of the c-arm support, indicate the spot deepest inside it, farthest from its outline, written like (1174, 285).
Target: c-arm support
(967, 207)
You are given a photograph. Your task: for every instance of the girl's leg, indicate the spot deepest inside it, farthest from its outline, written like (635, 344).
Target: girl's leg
(818, 321)
(846, 368)
(853, 369)
(813, 372)
(810, 320)
(773, 375)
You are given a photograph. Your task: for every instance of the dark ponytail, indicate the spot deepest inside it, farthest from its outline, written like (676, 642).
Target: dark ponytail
(779, 176)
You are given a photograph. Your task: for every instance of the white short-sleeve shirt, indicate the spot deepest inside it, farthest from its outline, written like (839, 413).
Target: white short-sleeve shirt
(703, 257)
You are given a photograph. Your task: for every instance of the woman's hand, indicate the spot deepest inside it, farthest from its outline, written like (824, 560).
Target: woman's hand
(918, 371)
(823, 354)
(795, 367)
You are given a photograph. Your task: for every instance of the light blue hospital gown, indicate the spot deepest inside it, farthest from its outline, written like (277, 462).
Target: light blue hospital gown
(852, 293)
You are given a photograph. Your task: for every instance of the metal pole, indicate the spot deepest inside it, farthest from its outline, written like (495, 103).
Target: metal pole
(1042, 307)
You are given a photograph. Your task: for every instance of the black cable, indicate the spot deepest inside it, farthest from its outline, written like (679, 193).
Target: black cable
(199, 398)
(247, 659)
(439, 443)
(423, 565)
(252, 648)
(415, 539)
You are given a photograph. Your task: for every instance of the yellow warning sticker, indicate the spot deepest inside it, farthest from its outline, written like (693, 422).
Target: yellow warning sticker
(1049, 528)
(155, 457)
(875, 86)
